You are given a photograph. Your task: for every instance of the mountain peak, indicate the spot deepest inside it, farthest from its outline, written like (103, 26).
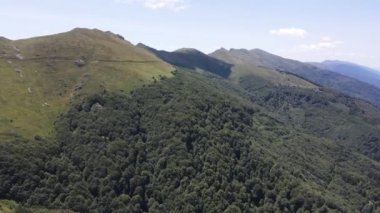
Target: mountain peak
(144, 46)
(95, 33)
(239, 50)
(88, 30)
(191, 58)
(58, 68)
(83, 29)
(141, 45)
(188, 50)
(257, 50)
(81, 42)
(242, 51)
(222, 49)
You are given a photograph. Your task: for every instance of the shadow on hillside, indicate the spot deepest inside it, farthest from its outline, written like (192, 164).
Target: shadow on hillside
(193, 59)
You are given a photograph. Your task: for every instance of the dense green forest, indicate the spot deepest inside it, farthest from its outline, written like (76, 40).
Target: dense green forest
(198, 143)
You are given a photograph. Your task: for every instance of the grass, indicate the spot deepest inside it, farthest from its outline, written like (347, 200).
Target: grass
(35, 90)
(246, 67)
(9, 206)
(266, 76)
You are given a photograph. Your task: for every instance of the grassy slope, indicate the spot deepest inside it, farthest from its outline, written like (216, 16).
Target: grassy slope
(263, 76)
(8, 206)
(325, 78)
(36, 89)
(266, 76)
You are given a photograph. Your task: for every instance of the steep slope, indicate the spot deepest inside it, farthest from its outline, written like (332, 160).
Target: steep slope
(356, 71)
(191, 143)
(321, 77)
(40, 76)
(192, 59)
(307, 107)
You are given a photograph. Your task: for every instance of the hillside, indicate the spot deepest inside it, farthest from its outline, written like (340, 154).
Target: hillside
(244, 70)
(229, 68)
(356, 71)
(41, 76)
(133, 129)
(197, 143)
(325, 78)
(192, 59)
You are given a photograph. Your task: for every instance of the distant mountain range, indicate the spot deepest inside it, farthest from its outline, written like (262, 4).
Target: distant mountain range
(359, 72)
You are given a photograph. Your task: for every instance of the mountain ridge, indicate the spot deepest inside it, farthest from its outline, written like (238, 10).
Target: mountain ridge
(323, 77)
(359, 72)
(192, 59)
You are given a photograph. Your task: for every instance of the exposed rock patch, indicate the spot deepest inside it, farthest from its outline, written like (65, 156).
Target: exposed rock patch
(79, 62)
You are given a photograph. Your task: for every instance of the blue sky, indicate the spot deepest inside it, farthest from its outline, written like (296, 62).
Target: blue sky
(306, 30)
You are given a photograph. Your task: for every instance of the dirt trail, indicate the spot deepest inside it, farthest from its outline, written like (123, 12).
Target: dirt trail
(74, 59)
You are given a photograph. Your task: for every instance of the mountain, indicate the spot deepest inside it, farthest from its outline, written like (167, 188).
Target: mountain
(198, 143)
(229, 69)
(43, 75)
(356, 71)
(244, 70)
(322, 77)
(194, 140)
(192, 59)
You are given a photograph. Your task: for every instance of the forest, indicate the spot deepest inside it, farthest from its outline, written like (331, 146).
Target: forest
(198, 143)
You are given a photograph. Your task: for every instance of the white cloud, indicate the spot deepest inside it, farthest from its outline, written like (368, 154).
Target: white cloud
(325, 46)
(325, 43)
(170, 4)
(175, 5)
(293, 32)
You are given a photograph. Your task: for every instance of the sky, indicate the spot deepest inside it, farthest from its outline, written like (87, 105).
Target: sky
(305, 30)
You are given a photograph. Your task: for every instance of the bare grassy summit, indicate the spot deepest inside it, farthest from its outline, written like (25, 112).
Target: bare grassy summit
(40, 76)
